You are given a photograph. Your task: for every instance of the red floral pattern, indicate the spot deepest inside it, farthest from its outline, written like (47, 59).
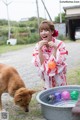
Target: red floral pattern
(57, 76)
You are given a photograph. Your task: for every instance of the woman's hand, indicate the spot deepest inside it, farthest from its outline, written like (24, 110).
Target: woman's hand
(42, 43)
(52, 44)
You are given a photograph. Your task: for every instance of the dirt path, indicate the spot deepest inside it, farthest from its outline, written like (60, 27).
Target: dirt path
(21, 59)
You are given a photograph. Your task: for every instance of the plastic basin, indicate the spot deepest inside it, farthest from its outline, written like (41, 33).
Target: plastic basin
(51, 111)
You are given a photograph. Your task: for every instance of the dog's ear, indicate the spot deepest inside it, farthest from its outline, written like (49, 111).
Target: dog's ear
(32, 92)
(17, 98)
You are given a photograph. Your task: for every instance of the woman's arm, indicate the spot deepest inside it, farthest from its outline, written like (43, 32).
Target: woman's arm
(41, 56)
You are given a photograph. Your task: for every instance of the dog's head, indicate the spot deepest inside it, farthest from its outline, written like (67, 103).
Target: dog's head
(23, 97)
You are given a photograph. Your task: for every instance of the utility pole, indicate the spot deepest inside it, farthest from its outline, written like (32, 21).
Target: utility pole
(7, 4)
(60, 11)
(38, 14)
(46, 9)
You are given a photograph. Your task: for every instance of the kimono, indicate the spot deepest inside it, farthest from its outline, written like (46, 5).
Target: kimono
(52, 77)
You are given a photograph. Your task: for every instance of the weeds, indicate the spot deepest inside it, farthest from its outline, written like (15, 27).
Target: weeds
(16, 113)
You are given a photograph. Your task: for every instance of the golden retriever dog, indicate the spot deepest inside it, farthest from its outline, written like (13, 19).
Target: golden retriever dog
(11, 82)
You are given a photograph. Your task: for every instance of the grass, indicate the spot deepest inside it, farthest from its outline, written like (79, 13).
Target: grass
(8, 48)
(15, 112)
(73, 76)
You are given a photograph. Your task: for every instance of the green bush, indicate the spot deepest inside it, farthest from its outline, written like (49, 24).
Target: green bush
(3, 40)
(3, 31)
(21, 41)
(22, 29)
(33, 38)
(29, 39)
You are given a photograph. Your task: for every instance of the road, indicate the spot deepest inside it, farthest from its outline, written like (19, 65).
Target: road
(21, 60)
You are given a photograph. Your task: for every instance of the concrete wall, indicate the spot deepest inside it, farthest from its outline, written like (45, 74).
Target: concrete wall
(61, 28)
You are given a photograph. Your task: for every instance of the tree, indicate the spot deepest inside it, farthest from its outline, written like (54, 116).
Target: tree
(3, 22)
(57, 18)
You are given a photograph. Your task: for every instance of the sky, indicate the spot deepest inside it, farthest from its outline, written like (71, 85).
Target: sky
(20, 9)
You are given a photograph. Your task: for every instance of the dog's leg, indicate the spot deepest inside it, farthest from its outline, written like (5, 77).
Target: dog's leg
(0, 103)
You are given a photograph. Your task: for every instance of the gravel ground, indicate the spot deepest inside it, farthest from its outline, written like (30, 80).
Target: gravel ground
(21, 60)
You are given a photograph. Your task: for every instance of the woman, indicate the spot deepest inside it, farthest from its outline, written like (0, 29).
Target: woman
(49, 56)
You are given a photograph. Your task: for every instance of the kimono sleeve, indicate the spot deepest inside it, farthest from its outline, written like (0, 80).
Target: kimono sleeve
(35, 56)
(60, 60)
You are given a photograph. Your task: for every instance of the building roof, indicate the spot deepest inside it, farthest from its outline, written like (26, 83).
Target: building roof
(71, 7)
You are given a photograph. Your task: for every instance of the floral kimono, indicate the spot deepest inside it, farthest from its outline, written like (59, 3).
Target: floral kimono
(52, 77)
